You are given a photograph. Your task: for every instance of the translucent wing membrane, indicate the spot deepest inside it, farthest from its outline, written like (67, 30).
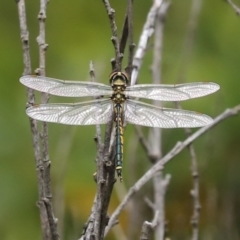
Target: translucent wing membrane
(85, 113)
(65, 88)
(166, 92)
(100, 111)
(139, 113)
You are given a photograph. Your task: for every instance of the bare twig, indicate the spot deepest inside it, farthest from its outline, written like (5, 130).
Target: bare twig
(155, 137)
(31, 100)
(105, 161)
(147, 32)
(48, 222)
(88, 231)
(25, 40)
(98, 137)
(195, 193)
(92, 71)
(160, 189)
(149, 203)
(105, 180)
(41, 37)
(93, 225)
(234, 6)
(116, 63)
(130, 38)
(124, 36)
(148, 227)
(161, 162)
(106, 164)
(44, 133)
(187, 49)
(152, 152)
(127, 33)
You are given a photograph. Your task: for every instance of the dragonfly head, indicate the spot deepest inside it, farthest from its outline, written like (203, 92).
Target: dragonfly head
(119, 78)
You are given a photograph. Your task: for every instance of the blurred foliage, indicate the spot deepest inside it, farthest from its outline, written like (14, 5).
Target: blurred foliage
(77, 32)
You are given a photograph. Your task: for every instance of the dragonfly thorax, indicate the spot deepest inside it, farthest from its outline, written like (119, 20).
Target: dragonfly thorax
(118, 97)
(119, 81)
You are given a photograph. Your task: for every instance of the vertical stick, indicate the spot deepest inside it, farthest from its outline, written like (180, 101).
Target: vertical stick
(48, 222)
(187, 50)
(118, 56)
(148, 30)
(47, 200)
(155, 138)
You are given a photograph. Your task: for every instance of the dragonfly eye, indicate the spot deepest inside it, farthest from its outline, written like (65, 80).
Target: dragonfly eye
(116, 76)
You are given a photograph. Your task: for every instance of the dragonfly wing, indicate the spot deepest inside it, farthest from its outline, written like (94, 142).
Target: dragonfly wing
(177, 92)
(85, 113)
(139, 113)
(65, 88)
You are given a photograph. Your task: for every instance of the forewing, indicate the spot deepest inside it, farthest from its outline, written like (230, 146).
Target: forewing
(65, 88)
(85, 113)
(139, 113)
(177, 92)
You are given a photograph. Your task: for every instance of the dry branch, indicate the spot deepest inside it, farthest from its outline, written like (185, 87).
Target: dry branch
(48, 221)
(147, 32)
(105, 176)
(187, 50)
(148, 227)
(160, 183)
(127, 34)
(116, 63)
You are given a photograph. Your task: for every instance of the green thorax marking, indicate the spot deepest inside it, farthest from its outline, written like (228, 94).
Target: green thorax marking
(119, 82)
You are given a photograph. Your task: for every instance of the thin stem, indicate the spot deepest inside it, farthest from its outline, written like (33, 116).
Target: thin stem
(187, 50)
(195, 193)
(98, 137)
(131, 45)
(148, 227)
(124, 36)
(44, 133)
(148, 30)
(159, 184)
(118, 56)
(105, 176)
(189, 39)
(48, 222)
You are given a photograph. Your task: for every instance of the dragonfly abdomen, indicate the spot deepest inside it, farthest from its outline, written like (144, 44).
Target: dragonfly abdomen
(118, 140)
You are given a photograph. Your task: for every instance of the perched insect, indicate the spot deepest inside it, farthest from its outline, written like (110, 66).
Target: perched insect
(118, 105)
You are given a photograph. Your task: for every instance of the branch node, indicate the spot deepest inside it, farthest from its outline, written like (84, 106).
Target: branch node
(195, 175)
(113, 63)
(42, 16)
(108, 163)
(37, 71)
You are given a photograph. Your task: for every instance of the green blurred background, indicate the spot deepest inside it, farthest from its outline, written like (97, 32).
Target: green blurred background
(77, 32)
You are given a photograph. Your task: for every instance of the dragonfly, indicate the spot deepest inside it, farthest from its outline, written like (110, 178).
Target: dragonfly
(116, 102)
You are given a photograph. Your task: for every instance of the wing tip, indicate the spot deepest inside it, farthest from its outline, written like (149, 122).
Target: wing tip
(215, 86)
(206, 120)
